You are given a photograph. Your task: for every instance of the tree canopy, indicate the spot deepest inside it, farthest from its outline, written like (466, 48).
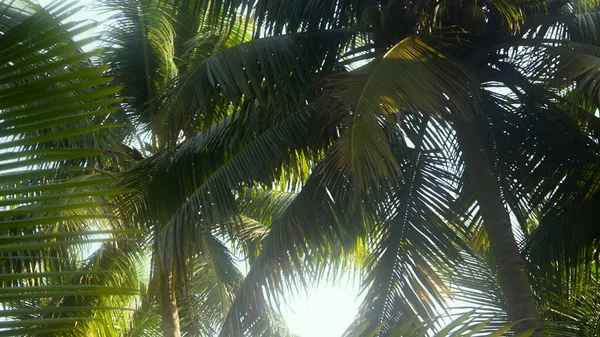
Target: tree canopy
(443, 151)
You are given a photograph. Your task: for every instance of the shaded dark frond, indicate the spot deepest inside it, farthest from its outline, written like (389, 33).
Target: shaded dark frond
(548, 165)
(258, 209)
(211, 288)
(293, 16)
(411, 76)
(278, 72)
(99, 299)
(140, 51)
(145, 321)
(578, 316)
(468, 324)
(315, 230)
(54, 207)
(197, 182)
(414, 244)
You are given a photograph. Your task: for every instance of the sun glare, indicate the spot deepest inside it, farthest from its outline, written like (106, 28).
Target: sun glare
(325, 311)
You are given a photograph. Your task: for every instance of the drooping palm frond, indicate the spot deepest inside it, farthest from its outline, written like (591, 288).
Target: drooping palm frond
(414, 244)
(475, 287)
(543, 135)
(411, 76)
(468, 324)
(279, 73)
(285, 16)
(208, 190)
(272, 17)
(103, 291)
(211, 288)
(258, 207)
(578, 316)
(221, 164)
(183, 204)
(548, 162)
(140, 51)
(145, 321)
(320, 219)
(545, 159)
(297, 244)
(53, 204)
(14, 13)
(215, 74)
(214, 282)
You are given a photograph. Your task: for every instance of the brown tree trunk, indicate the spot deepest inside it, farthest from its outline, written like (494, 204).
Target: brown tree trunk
(168, 306)
(513, 277)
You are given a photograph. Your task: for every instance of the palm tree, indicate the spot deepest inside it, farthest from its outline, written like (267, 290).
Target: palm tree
(432, 71)
(73, 255)
(273, 145)
(150, 44)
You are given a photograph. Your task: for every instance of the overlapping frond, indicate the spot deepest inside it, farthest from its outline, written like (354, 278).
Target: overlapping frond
(211, 288)
(96, 300)
(278, 73)
(258, 208)
(414, 244)
(213, 285)
(475, 288)
(257, 98)
(200, 182)
(307, 228)
(139, 41)
(145, 320)
(412, 76)
(54, 206)
(545, 156)
(578, 316)
(468, 324)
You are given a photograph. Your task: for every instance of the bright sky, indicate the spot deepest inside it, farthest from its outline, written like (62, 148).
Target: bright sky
(328, 309)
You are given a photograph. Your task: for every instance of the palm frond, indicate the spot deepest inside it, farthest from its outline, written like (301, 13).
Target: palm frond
(145, 321)
(411, 76)
(545, 157)
(140, 51)
(278, 72)
(258, 209)
(577, 316)
(53, 207)
(98, 300)
(414, 244)
(207, 191)
(211, 288)
(552, 188)
(475, 288)
(468, 324)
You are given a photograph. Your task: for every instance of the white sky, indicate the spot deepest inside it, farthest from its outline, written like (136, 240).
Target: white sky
(328, 309)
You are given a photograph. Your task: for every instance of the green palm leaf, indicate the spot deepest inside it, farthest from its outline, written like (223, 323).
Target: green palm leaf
(278, 72)
(53, 204)
(412, 76)
(403, 278)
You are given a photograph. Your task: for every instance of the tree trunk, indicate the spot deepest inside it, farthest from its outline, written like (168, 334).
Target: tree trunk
(168, 306)
(513, 277)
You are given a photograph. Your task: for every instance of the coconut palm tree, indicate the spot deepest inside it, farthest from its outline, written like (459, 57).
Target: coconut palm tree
(364, 132)
(150, 44)
(73, 254)
(369, 161)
